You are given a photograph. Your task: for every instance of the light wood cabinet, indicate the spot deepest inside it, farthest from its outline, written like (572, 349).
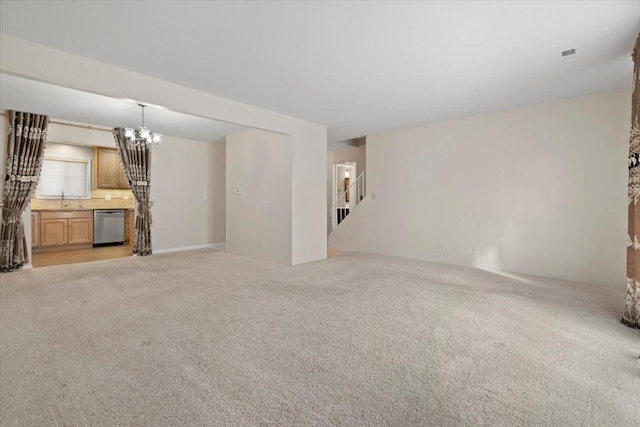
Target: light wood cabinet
(122, 179)
(64, 229)
(53, 232)
(108, 171)
(129, 226)
(80, 230)
(35, 229)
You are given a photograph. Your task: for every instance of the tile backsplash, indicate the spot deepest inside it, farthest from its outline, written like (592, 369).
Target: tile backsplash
(97, 201)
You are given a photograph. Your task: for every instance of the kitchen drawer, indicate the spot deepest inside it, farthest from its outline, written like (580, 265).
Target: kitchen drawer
(65, 214)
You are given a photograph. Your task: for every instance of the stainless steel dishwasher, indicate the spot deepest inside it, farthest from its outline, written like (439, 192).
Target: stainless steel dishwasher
(108, 227)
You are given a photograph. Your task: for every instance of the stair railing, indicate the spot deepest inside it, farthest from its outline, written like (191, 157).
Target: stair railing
(341, 207)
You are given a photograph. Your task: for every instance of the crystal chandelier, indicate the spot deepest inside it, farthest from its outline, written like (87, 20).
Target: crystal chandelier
(142, 136)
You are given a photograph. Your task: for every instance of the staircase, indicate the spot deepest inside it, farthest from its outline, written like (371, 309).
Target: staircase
(348, 200)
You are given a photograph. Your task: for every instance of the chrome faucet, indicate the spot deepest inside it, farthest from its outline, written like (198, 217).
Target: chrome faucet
(62, 203)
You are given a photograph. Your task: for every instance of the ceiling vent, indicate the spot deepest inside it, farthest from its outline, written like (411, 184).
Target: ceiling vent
(568, 52)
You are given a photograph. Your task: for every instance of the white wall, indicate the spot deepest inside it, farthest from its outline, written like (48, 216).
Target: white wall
(308, 195)
(77, 135)
(70, 151)
(219, 187)
(259, 219)
(354, 154)
(539, 190)
(187, 183)
(309, 140)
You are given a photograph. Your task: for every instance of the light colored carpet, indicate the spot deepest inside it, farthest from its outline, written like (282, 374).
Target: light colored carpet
(209, 338)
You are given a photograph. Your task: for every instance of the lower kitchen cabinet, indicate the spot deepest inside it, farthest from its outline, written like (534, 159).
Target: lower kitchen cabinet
(53, 232)
(80, 230)
(65, 229)
(35, 229)
(129, 226)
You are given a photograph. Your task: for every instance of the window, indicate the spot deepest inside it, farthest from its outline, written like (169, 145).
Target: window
(68, 177)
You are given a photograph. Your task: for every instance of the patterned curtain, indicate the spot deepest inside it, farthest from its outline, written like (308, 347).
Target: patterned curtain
(136, 164)
(27, 136)
(631, 314)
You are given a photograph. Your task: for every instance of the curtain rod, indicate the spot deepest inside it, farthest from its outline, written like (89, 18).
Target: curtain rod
(72, 125)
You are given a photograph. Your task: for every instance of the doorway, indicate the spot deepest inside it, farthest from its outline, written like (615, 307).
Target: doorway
(82, 210)
(344, 175)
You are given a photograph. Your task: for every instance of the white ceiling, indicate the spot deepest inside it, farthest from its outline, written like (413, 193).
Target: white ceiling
(68, 104)
(357, 67)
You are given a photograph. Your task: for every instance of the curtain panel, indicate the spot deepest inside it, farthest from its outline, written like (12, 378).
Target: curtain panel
(136, 164)
(26, 139)
(631, 316)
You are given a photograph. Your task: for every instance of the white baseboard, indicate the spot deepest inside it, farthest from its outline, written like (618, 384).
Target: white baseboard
(190, 248)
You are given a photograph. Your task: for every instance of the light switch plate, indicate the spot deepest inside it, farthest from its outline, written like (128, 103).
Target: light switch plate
(237, 192)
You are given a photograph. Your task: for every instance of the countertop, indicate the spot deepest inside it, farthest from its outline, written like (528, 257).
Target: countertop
(80, 209)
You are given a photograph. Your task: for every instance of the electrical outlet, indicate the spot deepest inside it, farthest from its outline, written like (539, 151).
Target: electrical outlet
(439, 247)
(107, 197)
(475, 251)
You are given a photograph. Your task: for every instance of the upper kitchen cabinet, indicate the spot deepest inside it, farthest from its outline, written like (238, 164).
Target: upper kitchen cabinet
(108, 171)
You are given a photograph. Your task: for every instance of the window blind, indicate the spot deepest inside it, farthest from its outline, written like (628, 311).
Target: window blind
(69, 176)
